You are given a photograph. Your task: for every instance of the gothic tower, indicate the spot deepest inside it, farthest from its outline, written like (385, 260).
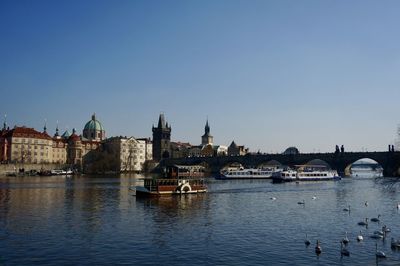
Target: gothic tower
(206, 138)
(161, 139)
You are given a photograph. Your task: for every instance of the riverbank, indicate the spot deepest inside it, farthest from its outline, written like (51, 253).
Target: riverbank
(12, 168)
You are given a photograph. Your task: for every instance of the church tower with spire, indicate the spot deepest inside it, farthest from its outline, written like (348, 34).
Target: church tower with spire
(206, 138)
(161, 139)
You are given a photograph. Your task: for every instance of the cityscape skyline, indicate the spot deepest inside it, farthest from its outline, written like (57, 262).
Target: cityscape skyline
(267, 75)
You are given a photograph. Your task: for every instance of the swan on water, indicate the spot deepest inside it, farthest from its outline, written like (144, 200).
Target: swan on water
(376, 236)
(360, 237)
(343, 250)
(395, 243)
(363, 223)
(379, 254)
(272, 198)
(318, 248)
(376, 219)
(345, 240)
(314, 198)
(386, 229)
(306, 241)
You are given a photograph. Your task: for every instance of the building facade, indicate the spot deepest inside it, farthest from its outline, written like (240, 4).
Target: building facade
(26, 145)
(123, 154)
(161, 139)
(180, 149)
(235, 150)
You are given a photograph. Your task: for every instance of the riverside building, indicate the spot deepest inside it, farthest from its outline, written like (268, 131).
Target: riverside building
(90, 151)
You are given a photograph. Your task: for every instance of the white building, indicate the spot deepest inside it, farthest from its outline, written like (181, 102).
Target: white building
(127, 154)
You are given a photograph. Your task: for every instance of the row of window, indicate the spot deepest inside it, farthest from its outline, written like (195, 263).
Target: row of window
(31, 141)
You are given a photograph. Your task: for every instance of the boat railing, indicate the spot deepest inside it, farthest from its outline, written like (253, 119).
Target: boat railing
(153, 184)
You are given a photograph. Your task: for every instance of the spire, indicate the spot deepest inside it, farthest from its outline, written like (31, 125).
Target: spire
(45, 126)
(207, 128)
(5, 122)
(161, 121)
(94, 116)
(56, 135)
(73, 131)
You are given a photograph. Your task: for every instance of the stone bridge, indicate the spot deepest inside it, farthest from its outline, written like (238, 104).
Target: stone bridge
(342, 161)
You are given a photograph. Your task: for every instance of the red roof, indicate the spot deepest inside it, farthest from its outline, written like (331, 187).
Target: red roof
(74, 137)
(25, 132)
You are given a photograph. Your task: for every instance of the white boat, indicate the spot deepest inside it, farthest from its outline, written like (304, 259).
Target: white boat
(251, 173)
(61, 172)
(306, 173)
(284, 176)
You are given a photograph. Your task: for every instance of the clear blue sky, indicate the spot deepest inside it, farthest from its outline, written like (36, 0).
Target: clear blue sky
(268, 74)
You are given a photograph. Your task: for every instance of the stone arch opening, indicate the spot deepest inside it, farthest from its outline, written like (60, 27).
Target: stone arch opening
(364, 167)
(269, 164)
(232, 166)
(319, 163)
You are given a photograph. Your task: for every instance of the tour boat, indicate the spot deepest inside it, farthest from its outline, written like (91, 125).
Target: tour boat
(284, 176)
(179, 180)
(251, 173)
(306, 173)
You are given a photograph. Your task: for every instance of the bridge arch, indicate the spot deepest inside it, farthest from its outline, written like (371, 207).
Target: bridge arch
(319, 163)
(270, 163)
(232, 164)
(364, 167)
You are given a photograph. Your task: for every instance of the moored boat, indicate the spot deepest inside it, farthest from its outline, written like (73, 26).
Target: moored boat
(288, 175)
(61, 172)
(306, 173)
(251, 173)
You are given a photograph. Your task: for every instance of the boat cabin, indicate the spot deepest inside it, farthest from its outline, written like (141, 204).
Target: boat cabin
(178, 171)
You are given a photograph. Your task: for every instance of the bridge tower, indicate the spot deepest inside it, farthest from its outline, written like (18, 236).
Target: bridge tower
(161, 139)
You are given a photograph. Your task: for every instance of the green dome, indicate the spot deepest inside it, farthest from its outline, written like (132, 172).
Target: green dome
(66, 134)
(94, 125)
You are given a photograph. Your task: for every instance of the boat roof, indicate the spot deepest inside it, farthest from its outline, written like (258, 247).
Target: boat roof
(188, 166)
(311, 165)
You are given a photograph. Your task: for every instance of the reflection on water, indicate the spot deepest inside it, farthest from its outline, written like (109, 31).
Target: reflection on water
(97, 220)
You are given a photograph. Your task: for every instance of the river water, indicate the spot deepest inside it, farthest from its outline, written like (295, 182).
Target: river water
(98, 220)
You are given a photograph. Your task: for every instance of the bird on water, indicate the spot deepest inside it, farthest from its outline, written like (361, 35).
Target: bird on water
(345, 240)
(376, 219)
(379, 253)
(344, 251)
(360, 237)
(306, 241)
(364, 223)
(318, 248)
